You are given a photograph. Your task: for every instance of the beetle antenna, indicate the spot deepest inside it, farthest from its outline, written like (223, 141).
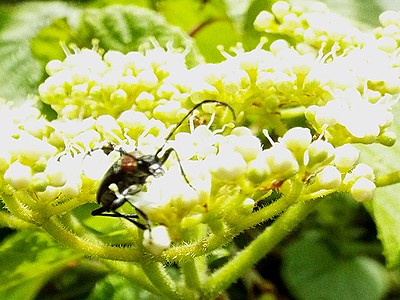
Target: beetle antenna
(189, 113)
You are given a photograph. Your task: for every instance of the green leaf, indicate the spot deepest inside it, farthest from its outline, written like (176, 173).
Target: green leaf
(361, 11)
(386, 213)
(385, 207)
(46, 46)
(126, 28)
(208, 40)
(20, 73)
(210, 23)
(29, 259)
(313, 271)
(252, 37)
(115, 287)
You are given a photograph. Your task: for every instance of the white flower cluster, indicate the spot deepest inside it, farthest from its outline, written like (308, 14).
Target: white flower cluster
(86, 84)
(342, 86)
(56, 162)
(388, 36)
(311, 25)
(355, 82)
(261, 83)
(220, 177)
(351, 118)
(213, 162)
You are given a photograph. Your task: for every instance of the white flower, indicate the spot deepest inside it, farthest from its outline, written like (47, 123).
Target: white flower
(319, 153)
(363, 189)
(345, 157)
(172, 190)
(297, 140)
(200, 143)
(363, 170)
(156, 240)
(227, 166)
(329, 178)
(280, 161)
(363, 120)
(31, 148)
(263, 21)
(18, 175)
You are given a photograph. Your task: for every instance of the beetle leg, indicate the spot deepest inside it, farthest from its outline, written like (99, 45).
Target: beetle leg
(128, 217)
(165, 156)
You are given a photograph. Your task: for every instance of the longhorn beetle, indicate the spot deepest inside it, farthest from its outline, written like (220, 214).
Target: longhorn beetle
(129, 173)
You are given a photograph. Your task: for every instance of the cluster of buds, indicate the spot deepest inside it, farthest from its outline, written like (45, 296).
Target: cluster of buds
(88, 84)
(389, 34)
(313, 25)
(54, 171)
(344, 92)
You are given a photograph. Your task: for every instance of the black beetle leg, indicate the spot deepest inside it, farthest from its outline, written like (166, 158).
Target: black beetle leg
(116, 214)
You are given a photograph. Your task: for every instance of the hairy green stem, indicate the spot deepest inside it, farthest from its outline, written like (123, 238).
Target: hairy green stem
(265, 213)
(17, 208)
(158, 276)
(264, 243)
(190, 274)
(91, 246)
(134, 273)
(11, 221)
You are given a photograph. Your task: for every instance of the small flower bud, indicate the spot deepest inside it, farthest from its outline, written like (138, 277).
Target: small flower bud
(156, 240)
(72, 187)
(387, 44)
(319, 153)
(285, 83)
(329, 178)
(280, 9)
(114, 58)
(243, 142)
(280, 161)
(107, 123)
(278, 46)
(388, 17)
(145, 101)
(129, 84)
(168, 110)
(54, 66)
(134, 120)
(291, 21)
(345, 157)
(88, 138)
(265, 80)
(363, 170)
(227, 166)
(263, 21)
(257, 170)
(297, 141)
(39, 182)
(118, 95)
(147, 79)
(236, 81)
(79, 91)
(32, 149)
(363, 189)
(247, 207)
(55, 173)
(18, 176)
(49, 194)
(387, 138)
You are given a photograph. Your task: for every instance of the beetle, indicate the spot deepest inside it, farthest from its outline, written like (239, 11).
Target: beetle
(127, 176)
